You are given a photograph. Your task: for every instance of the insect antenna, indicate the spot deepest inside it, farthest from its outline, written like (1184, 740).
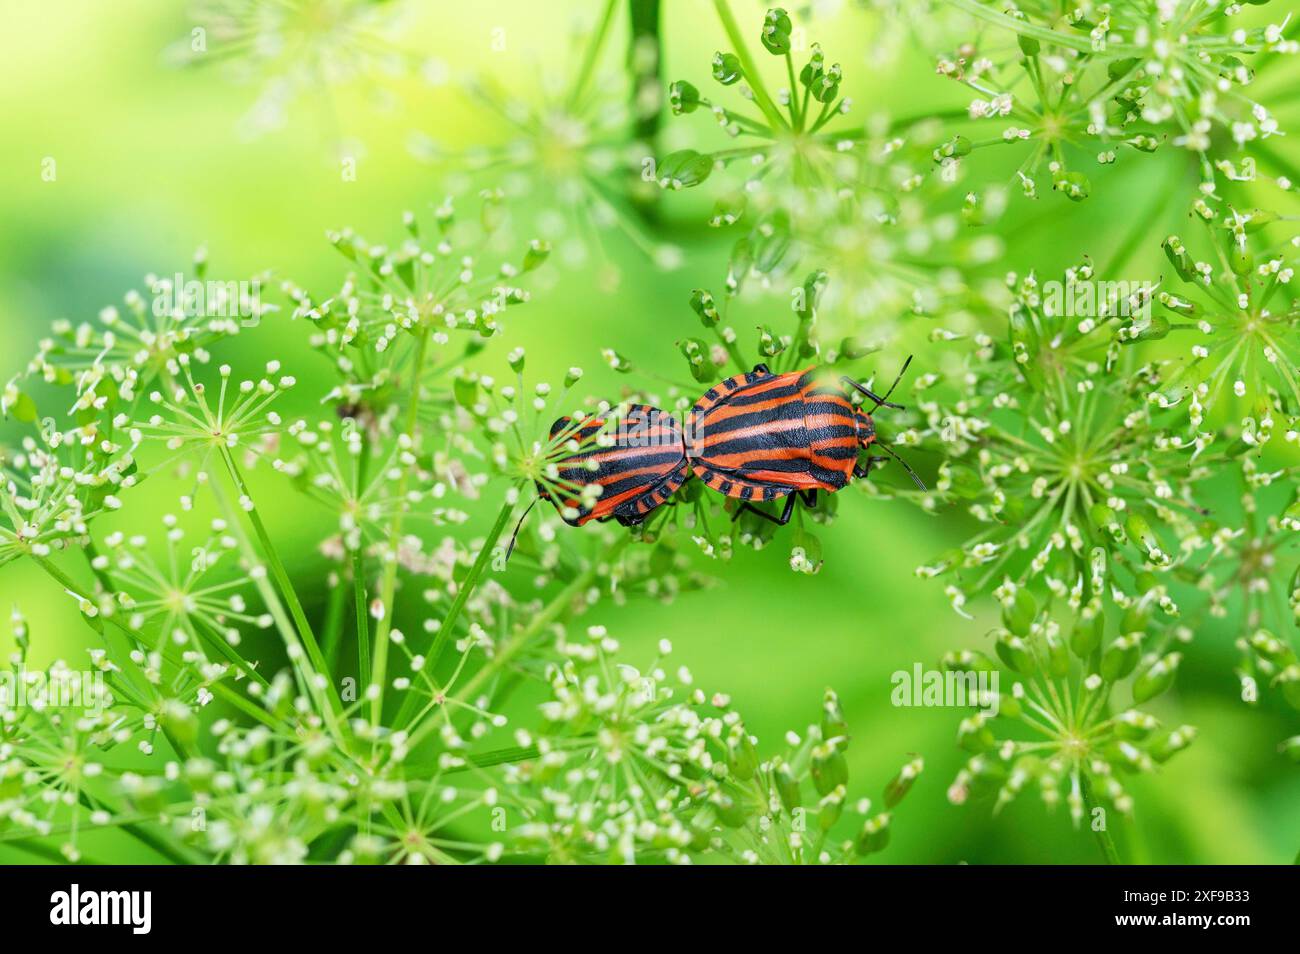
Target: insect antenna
(901, 371)
(881, 401)
(514, 536)
(907, 467)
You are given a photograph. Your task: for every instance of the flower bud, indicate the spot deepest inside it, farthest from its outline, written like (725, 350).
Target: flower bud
(901, 783)
(787, 787)
(726, 68)
(829, 767)
(537, 253)
(1120, 657)
(683, 169)
(834, 725)
(729, 810)
(683, 97)
(974, 734)
(1157, 678)
(742, 759)
(1018, 614)
(954, 148)
(830, 808)
(1015, 653)
(874, 835)
(1087, 635)
(1166, 746)
(703, 305)
(776, 32)
(696, 352)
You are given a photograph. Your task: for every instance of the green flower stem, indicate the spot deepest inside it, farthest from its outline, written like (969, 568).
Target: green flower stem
(471, 581)
(796, 114)
(1041, 33)
(548, 615)
(1104, 841)
(359, 601)
(388, 587)
(361, 612)
(761, 96)
(301, 638)
(277, 569)
(219, 689)
(333, 629)
(176, 854)
(463, 594)
(71, 586)
(48, 853)
(643, 21)
(180, 748)
(593, 53)
(731, 347)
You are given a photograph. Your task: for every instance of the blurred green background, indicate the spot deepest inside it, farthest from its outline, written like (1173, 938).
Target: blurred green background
(150, 166)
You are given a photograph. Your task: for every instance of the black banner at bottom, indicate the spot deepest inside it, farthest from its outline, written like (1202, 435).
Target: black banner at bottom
(340, 904)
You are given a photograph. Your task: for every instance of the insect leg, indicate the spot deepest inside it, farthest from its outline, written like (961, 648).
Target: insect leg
(780, 521)
(861, 470)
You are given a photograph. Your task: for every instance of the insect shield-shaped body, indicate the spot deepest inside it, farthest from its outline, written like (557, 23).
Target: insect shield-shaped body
(761, 436)
(615, 470)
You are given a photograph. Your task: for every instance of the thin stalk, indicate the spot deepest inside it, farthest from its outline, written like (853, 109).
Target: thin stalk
(593, 53)
(333, 705)
(362, 616)
(549, 614)
(755, 79)
(471, 580)
(1041, 33)
(463, 594)
(329, 642)
(388, 587)
(1104, 841)
(284, 584)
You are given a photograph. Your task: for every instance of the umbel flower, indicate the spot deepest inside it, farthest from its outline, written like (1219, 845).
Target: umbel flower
(181, 598)
(785, 142)
(298, 49)
(1237, 317)
(569, 139)
(1051, 445)
(400, 304)
(114, 359)
(857, 201)
(332, 463)
(1251, 576)
(636, 764)
(1108, 77)
(1074, 721)
(197, 428)
(53, 485)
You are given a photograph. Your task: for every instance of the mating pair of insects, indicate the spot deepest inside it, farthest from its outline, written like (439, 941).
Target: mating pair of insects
(755, 437)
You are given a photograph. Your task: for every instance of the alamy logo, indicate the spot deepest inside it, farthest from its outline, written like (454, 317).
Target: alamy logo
(946, 689)
(1099, 299)
(191, 298)
(134, 908)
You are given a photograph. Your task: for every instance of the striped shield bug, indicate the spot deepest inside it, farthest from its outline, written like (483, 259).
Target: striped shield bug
(755, 437)
(760, 436)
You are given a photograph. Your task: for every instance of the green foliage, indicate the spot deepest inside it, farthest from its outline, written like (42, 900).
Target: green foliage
(1110, 468)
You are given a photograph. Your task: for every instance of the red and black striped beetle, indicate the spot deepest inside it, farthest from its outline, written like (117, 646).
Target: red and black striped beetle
(756, 437)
